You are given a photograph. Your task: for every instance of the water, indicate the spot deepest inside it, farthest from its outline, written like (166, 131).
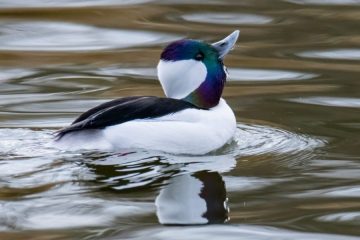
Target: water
(292, 171)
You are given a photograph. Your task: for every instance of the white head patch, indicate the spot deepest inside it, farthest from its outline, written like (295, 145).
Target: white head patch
(179, 78)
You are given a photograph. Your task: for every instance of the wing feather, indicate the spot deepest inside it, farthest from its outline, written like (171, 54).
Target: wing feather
(123, 110)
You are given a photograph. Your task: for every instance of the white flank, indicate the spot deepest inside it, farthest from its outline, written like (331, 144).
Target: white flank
(190, 131)
(179, 78)
(86, 139)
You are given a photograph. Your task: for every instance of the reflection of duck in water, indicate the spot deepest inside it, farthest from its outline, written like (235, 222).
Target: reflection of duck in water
(192, 190)
(197, 198)
(193, 119)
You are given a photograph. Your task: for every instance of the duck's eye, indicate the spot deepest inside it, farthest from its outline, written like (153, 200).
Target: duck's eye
(199, 56)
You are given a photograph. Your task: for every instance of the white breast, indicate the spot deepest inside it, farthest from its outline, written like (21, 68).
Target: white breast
(180, 78)
(189, 131)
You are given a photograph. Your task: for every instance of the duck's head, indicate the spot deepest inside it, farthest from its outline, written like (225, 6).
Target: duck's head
(194, 70)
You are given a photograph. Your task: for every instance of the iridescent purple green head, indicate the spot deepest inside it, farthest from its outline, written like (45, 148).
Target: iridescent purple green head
(194, 71)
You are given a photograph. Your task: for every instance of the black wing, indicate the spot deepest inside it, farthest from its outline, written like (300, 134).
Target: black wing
(123, 110)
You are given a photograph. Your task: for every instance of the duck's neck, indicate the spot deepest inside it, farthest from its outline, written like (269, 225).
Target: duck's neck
(208, 94)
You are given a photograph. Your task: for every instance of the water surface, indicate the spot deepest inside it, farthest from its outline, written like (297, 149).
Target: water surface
(291, 172)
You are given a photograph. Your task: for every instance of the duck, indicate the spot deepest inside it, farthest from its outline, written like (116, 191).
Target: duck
(192, 118)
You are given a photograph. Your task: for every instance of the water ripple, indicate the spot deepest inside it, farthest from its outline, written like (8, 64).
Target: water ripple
(68, 211)
(14, 73)
(337, 54)
(350, 191)
(66, 3)
(53, 198)
(329, 101)
(115, 71)
(242, 74)
(228, 18)
(61, 36)
(22, 142)
(345, 217)
(249, 140)
(236, 232)
(257, 140)
(240, 184)
(326, 2)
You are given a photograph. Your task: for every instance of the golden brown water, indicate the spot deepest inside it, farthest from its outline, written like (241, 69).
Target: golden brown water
(292, 171)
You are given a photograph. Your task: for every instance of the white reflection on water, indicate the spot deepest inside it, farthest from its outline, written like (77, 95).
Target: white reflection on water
(60, 36)
(228, 232)
(144, 73)
(337, 192)
(239, 184)
(339, 173)
(347, 217)
(243, 74)
(68, 211)
(22, 142)
(13, 73)
(326, 2)
(329, 101)
(344, 54)
(59, 107)
(227, 18)
(65, 3)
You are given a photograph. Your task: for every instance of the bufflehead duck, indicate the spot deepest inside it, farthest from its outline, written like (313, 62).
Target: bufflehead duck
(192, 119)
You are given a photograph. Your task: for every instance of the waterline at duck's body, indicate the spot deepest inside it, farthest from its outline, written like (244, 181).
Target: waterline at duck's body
(202, 131)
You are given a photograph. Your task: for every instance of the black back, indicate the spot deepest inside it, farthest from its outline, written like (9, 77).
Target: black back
(123, 110)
